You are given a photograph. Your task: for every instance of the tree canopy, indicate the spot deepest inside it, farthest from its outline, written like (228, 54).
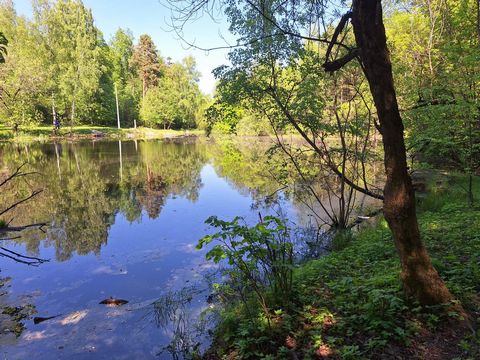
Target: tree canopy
(59, 61)
(277, 71)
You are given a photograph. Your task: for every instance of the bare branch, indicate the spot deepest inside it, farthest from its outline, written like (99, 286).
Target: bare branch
(332, 166)
(32, 261)
(332, 66)
(8, 229)
(14, 174)
(291, 33)
(34, 193)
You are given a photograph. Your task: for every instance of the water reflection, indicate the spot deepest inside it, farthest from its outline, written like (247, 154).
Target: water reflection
(124, 218)
(172, 312)
(83, 192)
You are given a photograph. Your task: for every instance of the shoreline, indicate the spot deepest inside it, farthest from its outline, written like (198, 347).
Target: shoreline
(45, 134)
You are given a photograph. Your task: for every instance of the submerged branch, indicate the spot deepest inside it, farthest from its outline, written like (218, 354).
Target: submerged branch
(34, 193)
(8, 229)
(29, 260)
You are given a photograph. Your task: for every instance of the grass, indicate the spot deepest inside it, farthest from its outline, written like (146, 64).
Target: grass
(45, 133)
(350, 305)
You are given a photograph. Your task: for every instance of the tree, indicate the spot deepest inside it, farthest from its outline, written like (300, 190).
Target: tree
(437, 41)
(124, 76)
(222, 116)
(74, 46)
(121, 47)
(3, 47)
(102, 108)
(23, 75)
(60, 54)
(147, 63)
(283, 24)
(174, 102)
(419, 277)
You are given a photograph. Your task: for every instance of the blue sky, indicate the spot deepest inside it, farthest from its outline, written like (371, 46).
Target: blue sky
(149, 16)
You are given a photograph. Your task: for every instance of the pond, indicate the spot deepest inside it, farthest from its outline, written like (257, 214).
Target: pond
(123, 219)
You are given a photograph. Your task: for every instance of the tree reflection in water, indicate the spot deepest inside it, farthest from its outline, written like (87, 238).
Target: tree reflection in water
(176, 315)
(88, 188)
(88, 184)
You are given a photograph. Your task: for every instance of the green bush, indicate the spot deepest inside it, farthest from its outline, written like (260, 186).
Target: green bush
(350, 303)
(260, 258)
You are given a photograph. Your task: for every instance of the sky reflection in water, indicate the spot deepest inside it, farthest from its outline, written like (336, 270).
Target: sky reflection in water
(125, 218)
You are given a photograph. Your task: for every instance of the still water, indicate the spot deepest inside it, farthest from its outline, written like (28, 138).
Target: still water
(123, 219)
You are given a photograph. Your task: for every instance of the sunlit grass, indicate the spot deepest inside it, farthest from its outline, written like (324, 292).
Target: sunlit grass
(350, 303)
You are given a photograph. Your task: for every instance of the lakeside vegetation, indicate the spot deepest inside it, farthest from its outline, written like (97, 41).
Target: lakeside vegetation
(395, 83)
(57, 64)
(392, 81)
(350, 305)
(45, 133)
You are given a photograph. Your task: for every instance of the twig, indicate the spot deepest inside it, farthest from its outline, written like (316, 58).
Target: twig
(21, 228)
(34, 262)
(34, 193)
(24, 256)
(17, 173)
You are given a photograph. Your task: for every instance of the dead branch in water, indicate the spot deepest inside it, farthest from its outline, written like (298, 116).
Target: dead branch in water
(29, 260)
(4, 252)
(21, 228)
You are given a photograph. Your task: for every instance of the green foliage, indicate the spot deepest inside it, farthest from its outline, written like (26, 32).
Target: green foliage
(260, 257)
(221, 117)
(435, 51)
(446, 189)
(23, 75)
(175, 100)
(251, 124)
(59, 59)
(341, 239)
(121, 49)
(73, 60)
(3, 47)
(124, 76)
(350, 303)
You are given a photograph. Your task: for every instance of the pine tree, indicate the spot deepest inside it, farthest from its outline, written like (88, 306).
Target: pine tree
(147, 63)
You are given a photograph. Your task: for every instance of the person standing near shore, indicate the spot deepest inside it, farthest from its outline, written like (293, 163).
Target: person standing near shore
(56, 123)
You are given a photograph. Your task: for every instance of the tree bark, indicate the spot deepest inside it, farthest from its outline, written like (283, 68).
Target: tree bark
(420, 279)
(478, 19)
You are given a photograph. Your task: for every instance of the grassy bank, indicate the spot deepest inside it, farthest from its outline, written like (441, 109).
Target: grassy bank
(45, 133)
(350, 305)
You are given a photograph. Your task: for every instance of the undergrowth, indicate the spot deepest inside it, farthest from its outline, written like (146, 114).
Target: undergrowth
(350, 305)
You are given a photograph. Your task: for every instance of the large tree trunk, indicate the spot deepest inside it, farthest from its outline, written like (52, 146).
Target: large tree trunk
(420, 279)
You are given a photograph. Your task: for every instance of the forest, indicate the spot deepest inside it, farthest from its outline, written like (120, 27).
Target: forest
(329, 210)
(60, 61)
